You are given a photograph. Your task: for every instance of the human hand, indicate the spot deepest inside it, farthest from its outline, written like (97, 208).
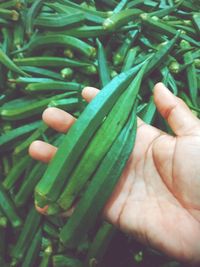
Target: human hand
(157, 199)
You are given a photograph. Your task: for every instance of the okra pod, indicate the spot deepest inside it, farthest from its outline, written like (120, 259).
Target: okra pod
(16, 172)
(23, 146)
(9, 139)
(49, 62)
(150, 112)
(104, 73)
(95, 197)
(52, 86)
(191, 73)
(6, 61)
(28, 184)
(86, 31)
(161, 27)
(27, 80)
(9, 14)
(31, 14)
(26, 236)
(123, 49)
(196, 21)
(60, 21)
(112, 127)
(100, 243)
(119, 19)
(41, 72)
(129, 59)
(69, 104)
(159, 55)
(46, 258)
(33, 251)
(67, 73)
(120, 6)
(76, 140)
(60, 40)
(27, 107)
(8, 207)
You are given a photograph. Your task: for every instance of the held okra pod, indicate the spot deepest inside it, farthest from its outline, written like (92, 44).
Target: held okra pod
(76, 140)
(105, 176)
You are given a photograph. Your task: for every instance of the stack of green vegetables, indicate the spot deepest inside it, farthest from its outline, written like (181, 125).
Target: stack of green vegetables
(50, 50)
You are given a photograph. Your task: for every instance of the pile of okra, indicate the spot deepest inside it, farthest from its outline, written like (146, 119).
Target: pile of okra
(49, 51)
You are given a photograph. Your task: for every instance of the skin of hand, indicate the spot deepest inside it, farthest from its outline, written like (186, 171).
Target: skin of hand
(157, 199)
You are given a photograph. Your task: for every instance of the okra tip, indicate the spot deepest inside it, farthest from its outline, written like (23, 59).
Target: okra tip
(108, 24)
(15, 15)
(43, 206)
(144, 16)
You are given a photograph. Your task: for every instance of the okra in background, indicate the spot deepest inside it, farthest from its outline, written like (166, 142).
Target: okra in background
(50, 50)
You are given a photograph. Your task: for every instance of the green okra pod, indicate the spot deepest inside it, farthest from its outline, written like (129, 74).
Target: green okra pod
(103, 69)
(60, 40)
(7, 62)
(9, 139)
(60, 21)
(49, 62)
(26, 236)
(16, 172)
(8, 207)
(27, 107)
(52, 86)
(76, 140)
(100, 243)
(9, 14)
(31, 14)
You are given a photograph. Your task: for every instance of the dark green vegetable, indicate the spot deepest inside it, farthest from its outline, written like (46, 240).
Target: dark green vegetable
(108, 131)
(191, 73)
(46, 257)
(119, 19)
(121, 53)
(8, 140)
(77, 138)
(29, 230)
(33, 251)
(49, 62)
(16, 172)
(27, 187)
(41, 72)
(96, 196)
(61, 40)
(31, 14)
(99, 245)
(104, 72)
(60, 21)
(27, 107)
(9, 14)
(196, 20)
(52, 86)
(149, 113)
(161, 27)
(129, 59)
(7, 206)
(6, 61)
(159, 56)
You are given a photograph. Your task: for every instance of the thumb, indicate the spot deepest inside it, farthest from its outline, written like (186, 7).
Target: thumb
(175, 111)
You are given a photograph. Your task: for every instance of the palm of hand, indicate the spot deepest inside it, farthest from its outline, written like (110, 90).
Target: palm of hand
(157, 199)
